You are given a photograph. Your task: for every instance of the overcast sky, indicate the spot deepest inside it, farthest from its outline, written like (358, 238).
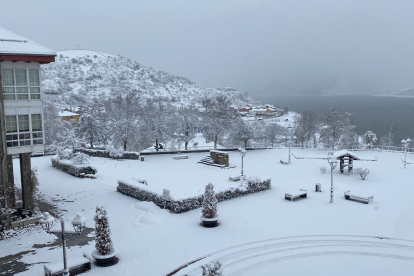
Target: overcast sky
(259, 46)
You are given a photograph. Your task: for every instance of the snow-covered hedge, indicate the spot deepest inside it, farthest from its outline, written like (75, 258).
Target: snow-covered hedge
(107, 154)
(69, 167)
(252, 185)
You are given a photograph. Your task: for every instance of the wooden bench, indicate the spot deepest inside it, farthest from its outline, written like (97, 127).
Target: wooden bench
(177, 157)
(363, 199)
(75, 265)
(234, 179)
(301, 194)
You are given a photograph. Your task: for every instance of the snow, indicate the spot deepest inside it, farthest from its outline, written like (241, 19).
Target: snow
(340, 153)
(14, 44)
(258, 234)
(67, 113)
(83, 53)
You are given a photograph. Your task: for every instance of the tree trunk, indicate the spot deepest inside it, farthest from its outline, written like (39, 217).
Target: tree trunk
(125, 145)
(186, 145)
(215, 142)
(156, 144)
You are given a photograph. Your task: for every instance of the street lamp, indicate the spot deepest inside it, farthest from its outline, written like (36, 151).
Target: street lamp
(405, 144)
(333, 162)
(243, 154)
(78, 224)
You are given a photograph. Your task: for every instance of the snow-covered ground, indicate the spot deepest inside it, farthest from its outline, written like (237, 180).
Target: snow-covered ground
(152, 241)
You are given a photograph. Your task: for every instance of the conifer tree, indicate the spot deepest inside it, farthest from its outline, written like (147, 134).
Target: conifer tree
(103, 241)
(209, 202)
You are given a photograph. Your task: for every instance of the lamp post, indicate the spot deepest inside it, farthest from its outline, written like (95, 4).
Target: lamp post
(333, 162)
(78, 224)
(243, 154)
(405, 144)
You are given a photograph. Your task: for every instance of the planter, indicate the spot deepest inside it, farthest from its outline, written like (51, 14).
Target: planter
(210, 222)
(104, 259)
(82, 175)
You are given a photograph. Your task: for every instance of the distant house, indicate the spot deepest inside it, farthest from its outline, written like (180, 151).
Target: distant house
(68, 116)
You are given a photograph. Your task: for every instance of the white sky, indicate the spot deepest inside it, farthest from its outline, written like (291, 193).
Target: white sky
(259, 46)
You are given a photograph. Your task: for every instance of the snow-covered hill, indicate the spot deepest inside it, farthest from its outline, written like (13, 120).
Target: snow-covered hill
(78, 76)
(402, 92)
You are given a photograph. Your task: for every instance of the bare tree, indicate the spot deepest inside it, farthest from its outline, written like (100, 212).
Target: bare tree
(187, 123)
(337, 129)
(217, 117)
(305, 126)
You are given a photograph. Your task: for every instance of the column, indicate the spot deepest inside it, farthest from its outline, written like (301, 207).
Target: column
(25, 175)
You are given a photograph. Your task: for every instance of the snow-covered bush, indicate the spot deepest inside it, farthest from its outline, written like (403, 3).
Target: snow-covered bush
(323, 169)
(209, 202)
(103, 241)
(107, 154)
(195, 144)
(116, 153)
(81, 158)
(248, 186)
(361, 172)
(213, 269)
(68, 167)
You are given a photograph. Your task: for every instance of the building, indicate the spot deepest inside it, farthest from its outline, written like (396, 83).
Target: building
(21, 108)
(66, 115)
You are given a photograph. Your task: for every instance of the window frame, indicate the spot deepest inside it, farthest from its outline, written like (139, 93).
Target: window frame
(25, 138)
(22, 96)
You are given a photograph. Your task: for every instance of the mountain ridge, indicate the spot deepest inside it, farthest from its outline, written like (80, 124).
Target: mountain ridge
(78, 76)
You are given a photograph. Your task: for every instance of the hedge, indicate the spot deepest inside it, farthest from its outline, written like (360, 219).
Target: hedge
(254, 185)
(72, 169)
(104, 153)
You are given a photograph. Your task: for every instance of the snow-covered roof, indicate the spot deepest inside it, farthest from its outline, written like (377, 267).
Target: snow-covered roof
(67, 113)
(340, 153)
(259, 110)
(14, 44)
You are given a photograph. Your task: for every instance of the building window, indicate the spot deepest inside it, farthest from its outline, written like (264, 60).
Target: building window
(21, 84)
(19, 131)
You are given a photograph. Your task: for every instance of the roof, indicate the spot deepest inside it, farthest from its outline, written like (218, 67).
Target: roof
(67, 113)
(341, 153)
(14, 44)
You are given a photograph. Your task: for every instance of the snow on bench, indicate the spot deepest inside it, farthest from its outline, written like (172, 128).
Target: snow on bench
(75, 265)
(176, 157)
(362, 198)
(234, 178)
(291, 196)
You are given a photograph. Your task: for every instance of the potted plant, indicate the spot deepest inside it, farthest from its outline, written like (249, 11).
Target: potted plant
(209, 217)
(104, 253)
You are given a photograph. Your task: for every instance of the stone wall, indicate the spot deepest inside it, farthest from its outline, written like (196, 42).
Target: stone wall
(220, 157)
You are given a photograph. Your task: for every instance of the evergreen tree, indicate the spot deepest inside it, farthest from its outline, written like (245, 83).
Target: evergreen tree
(103, 241)
(209, 202)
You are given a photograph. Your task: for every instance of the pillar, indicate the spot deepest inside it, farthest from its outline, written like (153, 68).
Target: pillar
(10, 178)
(25, 175)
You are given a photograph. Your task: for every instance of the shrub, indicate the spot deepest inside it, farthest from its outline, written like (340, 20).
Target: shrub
(209, 202)
(68, 167)
(361, 172)
(34, 181)
(213, 269)
(103, 241)
(248, 186)
(81, 158)
(323, 169)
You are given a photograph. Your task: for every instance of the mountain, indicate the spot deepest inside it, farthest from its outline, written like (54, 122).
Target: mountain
(402, 92)
(78, 76)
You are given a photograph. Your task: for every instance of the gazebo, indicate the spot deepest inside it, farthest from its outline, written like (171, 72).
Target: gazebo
(346, 159)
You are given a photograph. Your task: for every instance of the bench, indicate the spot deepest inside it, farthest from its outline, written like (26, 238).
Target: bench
(234, 179)
(301, 194)
(177, 157)
(75, 265)
(363, 199)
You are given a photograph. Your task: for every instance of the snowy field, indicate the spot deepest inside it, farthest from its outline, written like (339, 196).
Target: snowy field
(258, 234)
